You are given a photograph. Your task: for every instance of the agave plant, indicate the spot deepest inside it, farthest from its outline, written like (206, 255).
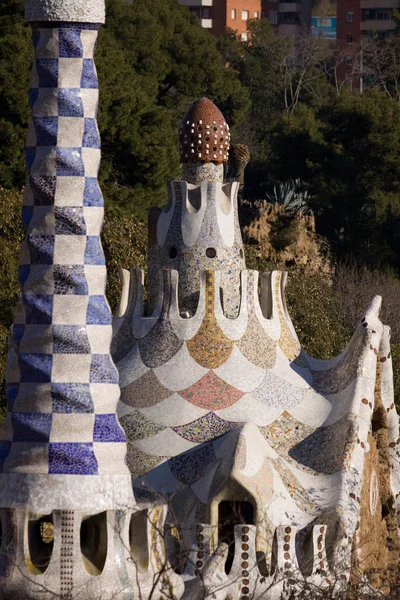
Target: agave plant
(290, 195)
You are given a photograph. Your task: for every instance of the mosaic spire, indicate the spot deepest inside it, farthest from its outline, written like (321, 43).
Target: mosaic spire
(199, 228)
(62, 386)
(62, 448)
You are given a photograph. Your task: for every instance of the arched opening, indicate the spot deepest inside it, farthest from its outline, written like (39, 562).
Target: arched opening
(379, 419)
(274, 554)
(194, 197)
(94, 543)
(173, 544)
(40, 538)
(138, 540)
(231, 513)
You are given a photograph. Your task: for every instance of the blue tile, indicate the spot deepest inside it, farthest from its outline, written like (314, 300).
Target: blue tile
(70, 45)
(71, 398)
(107, 429)
(23, 274)
(5, 448)
(91, 137)
(17, 333)
(98, 311)
(46, 129)
(102, 369)
(70, 102)
(31, 427)
(92, 195)
(43, 189)
(69, 220)
(89, 77)
(30, 153)
(12, 390)
(70, 279)
(47, 70)
(69, 162)
(27, 214)
(72, 459)
(35, 37)
(38, 309)
(35, 368)
(41, 249)
(70, 339)
(94, 254)
(33, 95)
(80, 26)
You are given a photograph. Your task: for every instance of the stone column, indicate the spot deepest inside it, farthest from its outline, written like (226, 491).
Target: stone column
(63, 472)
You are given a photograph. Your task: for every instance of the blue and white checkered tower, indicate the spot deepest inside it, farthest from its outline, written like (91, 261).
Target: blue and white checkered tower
(63, 478)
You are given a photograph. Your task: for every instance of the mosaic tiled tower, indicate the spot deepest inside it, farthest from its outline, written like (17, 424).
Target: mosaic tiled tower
(271, 463)
(199, 228)
(63, 475)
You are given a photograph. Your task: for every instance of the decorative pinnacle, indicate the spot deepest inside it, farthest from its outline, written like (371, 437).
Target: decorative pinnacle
(75, 11)
(204, 134)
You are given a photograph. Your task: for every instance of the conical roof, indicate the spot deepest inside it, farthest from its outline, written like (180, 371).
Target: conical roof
(204, 134)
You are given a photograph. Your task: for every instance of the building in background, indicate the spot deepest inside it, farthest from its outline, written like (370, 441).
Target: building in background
(217, 15)
(324, 27)
(288, 16)
(357, 18)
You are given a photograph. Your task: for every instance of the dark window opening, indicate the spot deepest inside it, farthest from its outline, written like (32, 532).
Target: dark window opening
(231, 513)
(173, 252)
(138, 540)
(94, 543)
(211, 253)
(176, 555)
(40, 543)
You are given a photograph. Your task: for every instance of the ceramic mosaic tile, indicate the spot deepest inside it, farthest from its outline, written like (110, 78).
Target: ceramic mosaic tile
(63, 315)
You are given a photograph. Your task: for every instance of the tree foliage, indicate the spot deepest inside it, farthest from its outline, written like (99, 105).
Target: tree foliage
(153, 60)
(342, 144)
(348, 154)
(16, 55)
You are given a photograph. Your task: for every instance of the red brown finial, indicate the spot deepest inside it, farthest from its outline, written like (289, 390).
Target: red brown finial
(204, 134)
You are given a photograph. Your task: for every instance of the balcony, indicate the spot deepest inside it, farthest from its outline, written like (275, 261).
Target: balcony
(289, 18)
(378, 25)
(196, 3)
(371, 4)
(290, 7)
(289, 29)
(206, 23)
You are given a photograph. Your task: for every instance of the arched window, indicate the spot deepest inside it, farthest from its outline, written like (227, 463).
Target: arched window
(94, 543)
(138, 540)
(40, 534)
(231, 513)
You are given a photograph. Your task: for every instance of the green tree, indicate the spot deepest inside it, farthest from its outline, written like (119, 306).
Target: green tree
(278, 77)
(258, 63)
(348, 153)
(16, 57)
(153, 60)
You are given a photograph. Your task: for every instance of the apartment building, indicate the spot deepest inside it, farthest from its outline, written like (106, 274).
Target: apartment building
(288, 16)
(357, 18)
(217, 15)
